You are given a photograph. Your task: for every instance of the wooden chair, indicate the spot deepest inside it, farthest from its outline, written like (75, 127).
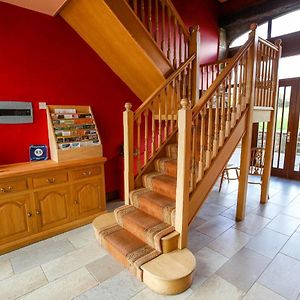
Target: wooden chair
(256, 167)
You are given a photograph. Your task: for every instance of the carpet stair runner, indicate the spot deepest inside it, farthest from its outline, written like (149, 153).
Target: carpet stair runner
(134, 234)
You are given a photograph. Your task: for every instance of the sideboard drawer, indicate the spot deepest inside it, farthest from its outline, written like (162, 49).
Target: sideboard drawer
(13, 186)
(49, 179)
(86, 172)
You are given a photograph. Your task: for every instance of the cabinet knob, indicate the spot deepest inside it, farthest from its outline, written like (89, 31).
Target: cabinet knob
(50, 180)
(3, 190)
(76, 202)
(88, 173)
(29, 215)
(38, 212)
(6, 190)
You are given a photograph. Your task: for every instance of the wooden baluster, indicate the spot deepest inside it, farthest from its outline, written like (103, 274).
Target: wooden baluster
(240, 94)
(227, 126)
(156, 21)
(173, 105)
(159, 121)
(128, 152)
(146, 114)
(265, 75)
(166, 94)
(202, 145)
(135, 8)
(234, 105)
(243, 82)
(180, 45)
(175, 44)
(184, 84)
(150, 16)
(257, 79)
(216, 123)
(209, 134)
(169, 34)
(193, 154)
(190, 67)
(163, 44)
(138, 123)
(202, 79)
(183, 172)
(143, 11)
(153, 135)
(269, 77)
(223, 114)
(207, 77)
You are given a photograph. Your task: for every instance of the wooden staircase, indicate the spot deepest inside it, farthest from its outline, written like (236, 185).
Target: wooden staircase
(176, 144)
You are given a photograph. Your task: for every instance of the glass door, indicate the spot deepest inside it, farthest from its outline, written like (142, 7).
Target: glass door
(286, 151)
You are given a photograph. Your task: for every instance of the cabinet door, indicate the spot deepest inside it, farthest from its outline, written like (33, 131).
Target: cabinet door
(15, 218)
(89, 198)
(53, 207)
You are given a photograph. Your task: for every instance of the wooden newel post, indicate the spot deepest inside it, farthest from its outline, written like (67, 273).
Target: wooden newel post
(194, 47)
(247, 138)
(183, 172)
(270, 130)
(128, 151)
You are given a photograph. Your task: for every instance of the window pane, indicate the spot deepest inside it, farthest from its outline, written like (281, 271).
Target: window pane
(289, 67)
(286, 24)
(262, 31)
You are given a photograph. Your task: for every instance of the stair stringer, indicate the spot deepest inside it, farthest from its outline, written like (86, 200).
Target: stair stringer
(200, 194)
(101, 29)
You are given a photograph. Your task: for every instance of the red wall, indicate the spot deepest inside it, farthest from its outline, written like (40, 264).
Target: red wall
(43, 60)
(203, 13)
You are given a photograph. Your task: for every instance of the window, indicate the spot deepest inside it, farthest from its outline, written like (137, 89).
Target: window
(286, 24)
(289, 67)
(262, 31)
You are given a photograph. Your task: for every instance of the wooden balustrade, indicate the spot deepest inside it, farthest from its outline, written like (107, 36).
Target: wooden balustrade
(154, 122)
(166, 27)
(267, 55)
(209, 72)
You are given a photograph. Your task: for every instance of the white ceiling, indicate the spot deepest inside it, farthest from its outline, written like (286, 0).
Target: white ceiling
(49, 7)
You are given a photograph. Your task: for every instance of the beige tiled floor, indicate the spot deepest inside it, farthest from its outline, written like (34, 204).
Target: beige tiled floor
(257, 259)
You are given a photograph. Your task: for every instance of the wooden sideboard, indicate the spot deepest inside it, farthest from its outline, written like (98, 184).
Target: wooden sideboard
(41, 199)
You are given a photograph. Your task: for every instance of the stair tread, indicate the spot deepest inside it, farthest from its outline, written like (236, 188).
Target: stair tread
(155, 204)
(166, 165)
(160, 183)
(144, 226)
(129, 250)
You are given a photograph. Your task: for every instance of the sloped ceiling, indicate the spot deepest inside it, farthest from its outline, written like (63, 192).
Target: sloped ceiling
(49, 7)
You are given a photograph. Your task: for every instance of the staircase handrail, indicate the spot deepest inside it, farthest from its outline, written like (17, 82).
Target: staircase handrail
(175, 74)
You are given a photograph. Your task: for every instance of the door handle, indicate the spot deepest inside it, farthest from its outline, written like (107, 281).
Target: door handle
(288, 137)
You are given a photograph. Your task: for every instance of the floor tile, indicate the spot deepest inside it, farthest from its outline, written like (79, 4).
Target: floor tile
(230, 213)
(5, 269)
(292, 247)
(252, 224)
(211, 210)
(230, 242)
(215, 226)
(244, 268)
(216, 288)
(283, 276)
(267, 242)
(268, 210)
(284, 224)
(21, 284)
(104, 268)
(122, 286)
(293, 210)
(83, 238)
(64, 288)
(197, 240)
(196, 222)
(259, 292)
(147, 294)
(207, 263)
(41, 255)
(73, 261)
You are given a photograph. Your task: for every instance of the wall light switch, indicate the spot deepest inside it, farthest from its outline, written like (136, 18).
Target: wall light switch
(42, 105)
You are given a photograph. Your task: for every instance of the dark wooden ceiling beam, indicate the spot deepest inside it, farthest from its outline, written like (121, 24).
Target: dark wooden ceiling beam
(237, 23)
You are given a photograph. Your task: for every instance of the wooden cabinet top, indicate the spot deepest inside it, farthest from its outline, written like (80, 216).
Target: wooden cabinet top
(44, 166)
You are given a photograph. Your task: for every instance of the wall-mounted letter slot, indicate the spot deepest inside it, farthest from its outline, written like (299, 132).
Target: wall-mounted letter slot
(12, 112)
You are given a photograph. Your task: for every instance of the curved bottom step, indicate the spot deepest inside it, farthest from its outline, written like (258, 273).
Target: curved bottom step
(170, 273)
